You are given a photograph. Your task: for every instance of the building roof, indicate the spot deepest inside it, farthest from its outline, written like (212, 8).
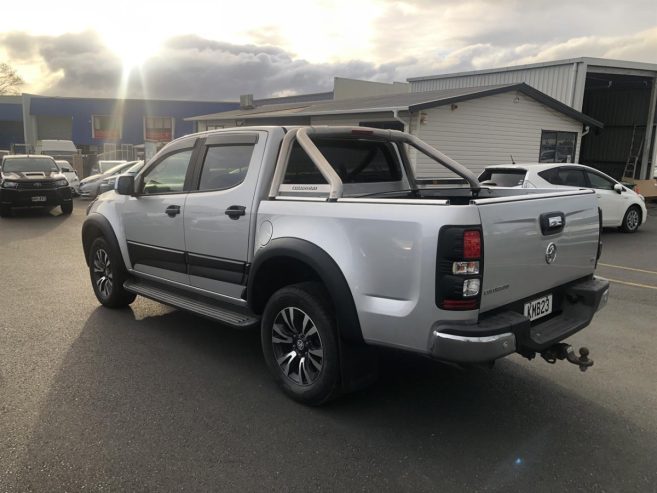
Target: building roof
(597, 62)
(395, 102)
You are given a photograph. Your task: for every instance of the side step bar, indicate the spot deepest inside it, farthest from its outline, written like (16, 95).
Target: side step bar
(200, 305)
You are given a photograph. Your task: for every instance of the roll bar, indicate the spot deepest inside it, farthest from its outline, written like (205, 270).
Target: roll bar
(302, 136)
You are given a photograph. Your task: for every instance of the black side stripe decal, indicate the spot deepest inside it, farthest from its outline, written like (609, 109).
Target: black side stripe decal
(162, 258)
(216, 268)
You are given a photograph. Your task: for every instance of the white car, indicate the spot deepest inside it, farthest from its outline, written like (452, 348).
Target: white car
(71, 175)
(621, 207)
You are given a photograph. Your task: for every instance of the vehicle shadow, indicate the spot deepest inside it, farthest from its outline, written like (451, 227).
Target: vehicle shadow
(152, 401)
(27, 223)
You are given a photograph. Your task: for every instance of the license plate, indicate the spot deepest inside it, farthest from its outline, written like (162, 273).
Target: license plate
(539, 307)
(39, 198)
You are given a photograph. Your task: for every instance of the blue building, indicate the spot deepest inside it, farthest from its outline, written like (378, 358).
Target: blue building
(11, 121)
(91, 123)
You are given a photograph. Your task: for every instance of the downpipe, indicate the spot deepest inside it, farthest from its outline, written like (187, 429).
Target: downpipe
(563, 351)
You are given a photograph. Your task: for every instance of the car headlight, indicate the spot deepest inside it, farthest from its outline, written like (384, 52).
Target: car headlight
(641, 197)
(9, 184)
(61, 183)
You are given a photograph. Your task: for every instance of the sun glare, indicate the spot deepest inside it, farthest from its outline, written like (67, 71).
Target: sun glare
(133, 48)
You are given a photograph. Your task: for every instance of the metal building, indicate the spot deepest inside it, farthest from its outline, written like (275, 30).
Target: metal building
(620, 94)
(476, 126)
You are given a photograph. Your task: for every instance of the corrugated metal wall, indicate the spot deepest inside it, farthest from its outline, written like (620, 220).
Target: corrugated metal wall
(556, 81)
(488, 131)
(624, 113)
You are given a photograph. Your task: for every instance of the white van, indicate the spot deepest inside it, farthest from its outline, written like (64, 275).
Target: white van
(55, 147)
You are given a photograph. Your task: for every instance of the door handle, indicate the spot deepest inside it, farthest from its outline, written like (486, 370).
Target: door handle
(172, 210)
(236, 211)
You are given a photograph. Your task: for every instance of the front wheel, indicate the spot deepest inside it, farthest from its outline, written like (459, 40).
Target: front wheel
(67, 208)
(299, 342)
(108, 275)
(631, 220)
(5, 211)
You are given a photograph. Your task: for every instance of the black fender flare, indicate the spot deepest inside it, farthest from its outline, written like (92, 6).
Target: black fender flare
(95, 221)
(328, 271)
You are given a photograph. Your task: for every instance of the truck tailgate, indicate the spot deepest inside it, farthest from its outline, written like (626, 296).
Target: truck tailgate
(522, 257)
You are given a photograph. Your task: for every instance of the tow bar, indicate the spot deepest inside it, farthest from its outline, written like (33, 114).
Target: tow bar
(565, 351)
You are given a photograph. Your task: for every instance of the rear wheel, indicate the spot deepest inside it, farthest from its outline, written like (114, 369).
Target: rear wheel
(67, 207)
(108, 274)
(299, 342)
(5, 211)
(631, 220)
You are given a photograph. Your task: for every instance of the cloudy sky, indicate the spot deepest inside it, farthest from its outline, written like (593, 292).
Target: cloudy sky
(217, 50)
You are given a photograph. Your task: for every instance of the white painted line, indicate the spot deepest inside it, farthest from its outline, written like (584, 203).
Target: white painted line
(629, 268)
(645, 286)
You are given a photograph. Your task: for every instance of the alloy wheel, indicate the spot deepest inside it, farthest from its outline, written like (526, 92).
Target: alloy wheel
(297, 346)
(632, 219)
(103, 273)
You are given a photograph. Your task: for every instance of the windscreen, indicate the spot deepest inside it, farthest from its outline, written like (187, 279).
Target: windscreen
(503, 177)
(355, 161)
(118, 169)
(28, 164)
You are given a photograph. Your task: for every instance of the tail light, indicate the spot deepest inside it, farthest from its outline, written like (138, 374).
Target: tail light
(599, 253)
(459, 268)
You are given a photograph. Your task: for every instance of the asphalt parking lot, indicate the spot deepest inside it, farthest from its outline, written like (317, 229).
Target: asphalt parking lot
(152, 399)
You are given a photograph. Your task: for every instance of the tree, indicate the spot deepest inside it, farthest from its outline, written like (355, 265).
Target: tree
(10, 81)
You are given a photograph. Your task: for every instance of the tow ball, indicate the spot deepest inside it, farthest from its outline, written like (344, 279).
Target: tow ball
(562, 351)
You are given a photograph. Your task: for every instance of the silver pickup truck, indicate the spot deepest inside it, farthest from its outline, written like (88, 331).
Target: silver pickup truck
(323, 238)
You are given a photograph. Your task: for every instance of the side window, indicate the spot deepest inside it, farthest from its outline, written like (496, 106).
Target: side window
(600, 182)
(551, 176)
(570, 177)
(168, 176)
(225, 166)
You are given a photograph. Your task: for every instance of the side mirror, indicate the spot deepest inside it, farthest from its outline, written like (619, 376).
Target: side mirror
(618, 187)
(125, 185)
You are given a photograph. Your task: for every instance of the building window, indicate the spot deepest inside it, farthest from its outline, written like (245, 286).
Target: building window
(158, 128)
(557, 147)
(106, 127)
(214, 127)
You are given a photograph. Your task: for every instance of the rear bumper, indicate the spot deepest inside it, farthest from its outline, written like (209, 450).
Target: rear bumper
(506, 332)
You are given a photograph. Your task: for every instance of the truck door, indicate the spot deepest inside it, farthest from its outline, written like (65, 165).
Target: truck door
(153, 219)
(219, 216)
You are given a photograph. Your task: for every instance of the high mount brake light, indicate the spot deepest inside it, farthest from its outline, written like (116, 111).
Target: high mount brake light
(362, 132)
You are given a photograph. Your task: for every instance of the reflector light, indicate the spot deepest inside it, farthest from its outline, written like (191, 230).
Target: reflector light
(459, 304)
(465, 267)
(471, 287)
(471, 244)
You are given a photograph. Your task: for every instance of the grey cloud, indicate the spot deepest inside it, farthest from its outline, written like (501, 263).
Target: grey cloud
(187, 67)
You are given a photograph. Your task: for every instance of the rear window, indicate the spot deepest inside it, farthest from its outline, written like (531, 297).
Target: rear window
(29, 164)
(503, 177)
(355, 161)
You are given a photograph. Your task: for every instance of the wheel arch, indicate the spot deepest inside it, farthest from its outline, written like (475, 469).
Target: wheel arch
(96, 225)
(287, 261)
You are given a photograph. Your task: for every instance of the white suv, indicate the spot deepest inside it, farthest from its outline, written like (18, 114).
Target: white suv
(71, 175)
(621, 207)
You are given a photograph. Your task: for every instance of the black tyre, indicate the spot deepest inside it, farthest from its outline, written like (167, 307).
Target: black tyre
(5, 211)
(631, 220)
(67, 207)
(299, 342)
(108, 274)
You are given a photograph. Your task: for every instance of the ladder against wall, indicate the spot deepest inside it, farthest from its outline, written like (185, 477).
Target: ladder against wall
(634, 153)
